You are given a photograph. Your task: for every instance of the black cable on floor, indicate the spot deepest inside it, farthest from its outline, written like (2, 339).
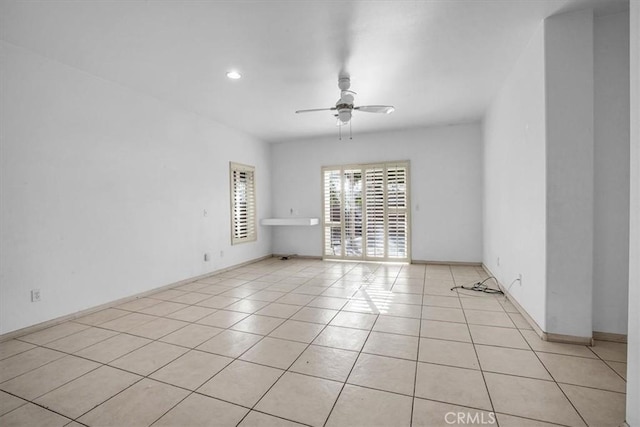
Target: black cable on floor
(481, 287)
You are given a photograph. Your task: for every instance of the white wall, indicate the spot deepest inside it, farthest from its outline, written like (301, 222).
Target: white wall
(104, 191)
(633, 347)
(611, 173)
(569, 118)
(515, 181)
(446, 187)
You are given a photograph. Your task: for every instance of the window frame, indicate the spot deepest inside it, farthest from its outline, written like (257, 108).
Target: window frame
(235, 169)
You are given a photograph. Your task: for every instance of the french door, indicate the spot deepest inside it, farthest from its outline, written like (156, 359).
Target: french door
(366, 212)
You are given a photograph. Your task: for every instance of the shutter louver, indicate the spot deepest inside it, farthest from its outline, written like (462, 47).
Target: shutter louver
(243, 203)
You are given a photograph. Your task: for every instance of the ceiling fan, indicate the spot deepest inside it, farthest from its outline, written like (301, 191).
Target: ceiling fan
(344, 107)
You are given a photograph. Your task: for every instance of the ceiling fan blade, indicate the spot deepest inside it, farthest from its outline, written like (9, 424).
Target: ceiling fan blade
(386, 109)
(315, 109)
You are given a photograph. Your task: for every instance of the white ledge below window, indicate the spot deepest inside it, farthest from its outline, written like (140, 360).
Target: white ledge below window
(290, 221)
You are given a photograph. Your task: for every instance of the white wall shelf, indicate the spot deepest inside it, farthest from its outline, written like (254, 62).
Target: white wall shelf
(290, 221)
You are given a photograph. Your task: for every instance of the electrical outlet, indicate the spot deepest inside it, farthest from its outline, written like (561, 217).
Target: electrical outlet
(520, 278)
(498, 261)
(206, 257)
(35, 295)
(221, 254)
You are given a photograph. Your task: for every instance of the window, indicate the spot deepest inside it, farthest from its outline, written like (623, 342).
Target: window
(366, 211)
(243, 203)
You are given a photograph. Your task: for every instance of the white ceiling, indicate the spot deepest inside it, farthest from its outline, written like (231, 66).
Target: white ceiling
(436, 61)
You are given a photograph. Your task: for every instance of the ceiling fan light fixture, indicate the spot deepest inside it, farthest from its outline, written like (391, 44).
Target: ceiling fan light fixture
(234, 75)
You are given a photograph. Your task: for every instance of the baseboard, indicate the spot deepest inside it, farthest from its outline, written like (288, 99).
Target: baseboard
(459, 263)
(545, 336)
(609, 336)
(49, 323)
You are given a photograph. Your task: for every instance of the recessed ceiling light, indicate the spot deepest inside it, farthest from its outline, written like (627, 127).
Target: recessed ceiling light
(234, 75)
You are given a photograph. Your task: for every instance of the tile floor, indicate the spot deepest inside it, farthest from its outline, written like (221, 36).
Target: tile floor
(306, 342)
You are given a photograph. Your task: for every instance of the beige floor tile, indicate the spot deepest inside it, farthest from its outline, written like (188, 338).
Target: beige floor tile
(32, 415)
(191, 298)
(441, 301)
(128, 322)
(191, 287)
(102, 316)
(167, 294)
(139, 405)
(191, 335)
(192, 313)
(297, 331)
(241, 382)
(157, 328)
(80, 340)
(309, 290)
(620, 368)
(258, 419)
(279, 310)
(192, 369)
(343, 338)
(138, 304)
(369, 306)
(610, 351)
(274, 352)
(488, 318)
(581, 371)
(268, 296)
(359, 406)
(261, 325)
(39, 381)
(481, 303)
(401, 310)
(511, 421)
(325, 362)
(247, 306)
(452, 385)
(445, 330)
(53, 333)
(296, 299)
(328, 302)
(511, 361)
(230, 343)
(519, 320)
(597, 407)
(113, 348)
(427, 413)
(163, 308)
(538, 344)
(392, 345)
(384, 373)
(443, 314)
(444, 352)
(13, 347)
(315, 315)
(531, 398)
(340, 292)
(397, 325)
(88, 391)
(502, 337)
(223, 319)
(202, 411)
(406, 298)
(9, 403)
(26, 361)
(218, 301)
(149, 358)
(301, 398)
(348, 319)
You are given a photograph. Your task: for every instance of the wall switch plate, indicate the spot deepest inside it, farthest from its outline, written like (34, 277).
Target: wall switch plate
(35, 295)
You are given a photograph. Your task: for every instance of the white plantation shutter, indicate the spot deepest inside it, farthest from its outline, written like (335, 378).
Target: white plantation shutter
(366, 211)
(397, 211)
(243, 203)
(375, 223)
